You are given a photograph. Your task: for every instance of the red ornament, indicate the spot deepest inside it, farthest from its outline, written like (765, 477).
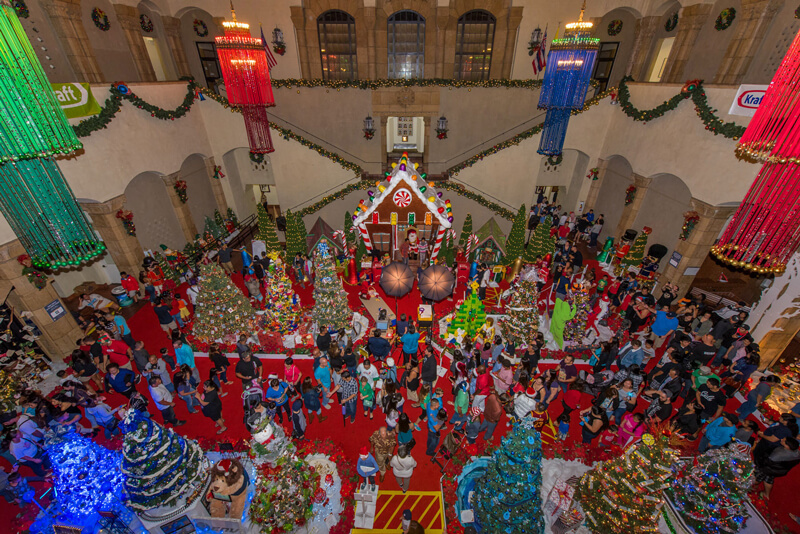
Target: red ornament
(329, 479)
(243, 60)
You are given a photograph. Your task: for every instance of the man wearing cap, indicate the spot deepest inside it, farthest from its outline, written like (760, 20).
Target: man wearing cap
(383, 443)
(378, 346)
(719, 432)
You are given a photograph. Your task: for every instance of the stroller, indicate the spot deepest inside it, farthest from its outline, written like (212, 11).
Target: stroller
(594, 384)
(450, 445)
(251, 399)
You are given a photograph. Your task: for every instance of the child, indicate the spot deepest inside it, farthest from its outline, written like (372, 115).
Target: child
(486, 355)
(298, 420)
(563, 426)
(131, 285)
(367, 395)
(746, 432)
(630, 429)
(251, 282)
(183, 307)
(175, 312)
(169, 359)
(391, 369)
(649, 351)
(392, 415)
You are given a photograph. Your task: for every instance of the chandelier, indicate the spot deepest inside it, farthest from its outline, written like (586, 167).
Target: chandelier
(764, 231)
(243, 60)
(35, 198)
(566, 79)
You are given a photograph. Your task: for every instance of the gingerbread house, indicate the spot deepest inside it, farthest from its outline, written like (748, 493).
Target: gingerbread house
(401, 201)
(321, 231)
(490, 248)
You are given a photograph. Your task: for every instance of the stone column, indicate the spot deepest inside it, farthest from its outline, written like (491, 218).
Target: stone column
(442, 20)
(172, 30)
(514, 19)
(751, 25)
(181, 210)
(376, 42)
(631, 210)
(384, 138)
(128, 18)
(696, 248)
(65, 16)
(125, 250)
(427, 140)
(643, 39)
(597, 185)
(299, 22)
(216, 186)
(691, 21)
(58, 337)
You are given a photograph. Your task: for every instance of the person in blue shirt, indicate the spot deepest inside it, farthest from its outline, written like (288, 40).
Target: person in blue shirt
(378, 346)
(120, 380)
(435, 425)
(124, 329)
(410, 342)
(185, 355)
(366, 468)
(323, 375)
(278, 391)
(631, 354)
(666, 323)
(719, 432)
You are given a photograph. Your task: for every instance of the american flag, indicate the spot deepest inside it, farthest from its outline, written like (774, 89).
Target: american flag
(270, 58)
(540, 57)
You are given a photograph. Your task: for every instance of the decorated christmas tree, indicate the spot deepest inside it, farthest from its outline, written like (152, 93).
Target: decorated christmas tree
(212, 230)
(282, 304)
(466, 231)
(521, 321)
(231, 215)
(221, 309)
(624, 494)
(576, 326)
(541, 243)
(515, 243)
(295, 235)
(506, 498)
(161, 466)
(447, 252)
(470, 315)
(169, 271)
(284, 495)
(636, 254)
(349, 231)
(266, 230)
(710, 491)
(220, 221)
(86, 478)
(330, 298)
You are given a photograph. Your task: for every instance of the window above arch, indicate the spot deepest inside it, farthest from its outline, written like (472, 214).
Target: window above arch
(474, 40)
(406, 44)
(337, 45)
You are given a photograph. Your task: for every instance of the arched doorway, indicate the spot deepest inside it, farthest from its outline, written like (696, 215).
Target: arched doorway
(562, 179)
(155, 218)
(666, 200)
(155, 42)
(198, 189)
(617, 176)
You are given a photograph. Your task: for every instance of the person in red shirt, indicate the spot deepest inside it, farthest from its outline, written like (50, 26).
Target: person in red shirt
(292, 374)
(131, 285)
(118, 352)
(483, 387)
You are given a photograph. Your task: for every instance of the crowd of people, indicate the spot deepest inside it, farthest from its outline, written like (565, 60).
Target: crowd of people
(659, 362)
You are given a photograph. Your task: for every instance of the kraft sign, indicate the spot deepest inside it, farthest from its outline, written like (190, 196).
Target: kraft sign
(747, 99)
(76, 99)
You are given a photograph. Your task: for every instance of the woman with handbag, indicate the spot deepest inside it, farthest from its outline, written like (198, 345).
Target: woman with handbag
(403, 465)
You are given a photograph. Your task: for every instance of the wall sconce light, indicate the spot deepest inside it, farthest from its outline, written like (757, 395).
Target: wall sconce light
(369, 128)
(405, 138)
(278, 44)
(536, 40)
(441, 128)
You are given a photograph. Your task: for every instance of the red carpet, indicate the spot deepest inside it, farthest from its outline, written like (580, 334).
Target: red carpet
(352, 436)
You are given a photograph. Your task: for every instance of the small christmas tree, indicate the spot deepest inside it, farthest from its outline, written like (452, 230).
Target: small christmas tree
(283, 306)
(219, 220)
(330, 298)
(470, 315)
(624, 494)
(349, 231)
(296, 234)
(169, 272)
(447, 252)
(506, 498)
(221, 309)
(161, 466)
(521, 321)
(232, 216)
(466, 231)
(709, 493)
(515, 242)
(212, 230)
(576, 326)
(636, 254)
(266, 230)
(87, 478)
(541, 243)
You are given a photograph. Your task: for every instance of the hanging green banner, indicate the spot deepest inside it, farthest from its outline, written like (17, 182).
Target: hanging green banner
(76, 99)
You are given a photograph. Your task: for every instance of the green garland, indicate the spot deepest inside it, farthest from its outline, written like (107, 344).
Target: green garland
(341, 193)
(466, 193)
(694, 90)
(292, 83)
(667, 521)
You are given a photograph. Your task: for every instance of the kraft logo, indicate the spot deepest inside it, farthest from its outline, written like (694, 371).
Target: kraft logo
(72, 95)
(750, 99)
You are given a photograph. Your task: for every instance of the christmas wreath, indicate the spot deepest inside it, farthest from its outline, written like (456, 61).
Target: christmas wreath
(180, 189)
(145, 23)
(200, 28)
(441, 133)
(672, 22)
(126, 217)
(35, 276)
(797, 13)
(21, 9)
(369, 133)
(100, 19)
(690, 220)
(257, 158)
(725, 19)
(614, 27)
(630, 194)
(279, 48)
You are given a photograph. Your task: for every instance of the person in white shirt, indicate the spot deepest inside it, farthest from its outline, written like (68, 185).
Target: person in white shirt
(367, 370)
(98, 302)
(156, 367)
(192, 293)
(27, 453)
(403, 465)
(103, 414)
(163, 399)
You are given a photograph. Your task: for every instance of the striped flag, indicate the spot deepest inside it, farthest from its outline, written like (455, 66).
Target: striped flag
(540, 58)
(270, 58)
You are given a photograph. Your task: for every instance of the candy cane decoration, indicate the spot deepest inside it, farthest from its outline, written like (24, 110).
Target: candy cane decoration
(367, 241)
(341, 236)
(472, 241)
(439, 236)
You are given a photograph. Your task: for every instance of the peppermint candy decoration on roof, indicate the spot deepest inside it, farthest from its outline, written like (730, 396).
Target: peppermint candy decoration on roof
(402, 198)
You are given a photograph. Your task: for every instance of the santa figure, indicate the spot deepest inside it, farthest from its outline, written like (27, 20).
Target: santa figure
(413, 244)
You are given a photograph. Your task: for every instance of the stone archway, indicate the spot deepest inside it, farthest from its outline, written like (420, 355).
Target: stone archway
(665, 201)
(156, 221)
(202, 202)
(607, 194)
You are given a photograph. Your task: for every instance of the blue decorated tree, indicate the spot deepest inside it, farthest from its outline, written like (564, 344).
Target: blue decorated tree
(506, 498)
(330, 298)
(86, 479)
(161, 466)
